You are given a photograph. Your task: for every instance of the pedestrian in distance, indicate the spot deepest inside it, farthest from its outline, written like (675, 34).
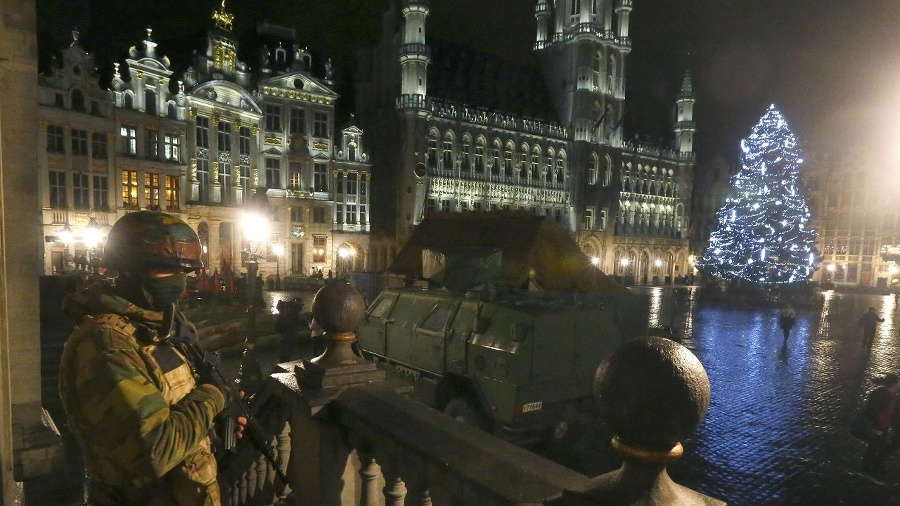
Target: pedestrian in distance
(290, 323)
(879, 415)
(140, 413)
(786, 320)
(869, 322)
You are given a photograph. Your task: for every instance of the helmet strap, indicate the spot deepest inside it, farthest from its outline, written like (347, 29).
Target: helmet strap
(130, 285)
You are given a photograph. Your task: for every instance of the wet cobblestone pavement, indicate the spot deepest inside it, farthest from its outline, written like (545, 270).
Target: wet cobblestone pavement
(777, 429)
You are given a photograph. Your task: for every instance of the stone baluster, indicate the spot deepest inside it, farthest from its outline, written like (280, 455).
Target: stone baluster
(653, 392)
(369, 472)
(262, 469)
(283, 447)
(415, 474)
(394, 491)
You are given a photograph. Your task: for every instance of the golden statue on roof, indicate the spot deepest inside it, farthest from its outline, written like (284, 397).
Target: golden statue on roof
(223, 19)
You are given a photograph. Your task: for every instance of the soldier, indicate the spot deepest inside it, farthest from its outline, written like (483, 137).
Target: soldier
(131, 397)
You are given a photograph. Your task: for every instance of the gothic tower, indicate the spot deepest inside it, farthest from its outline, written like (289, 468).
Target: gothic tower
(414, 59)
(684, 122)
(582, 45)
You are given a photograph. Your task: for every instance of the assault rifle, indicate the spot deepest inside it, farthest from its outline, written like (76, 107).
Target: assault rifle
(207, 366)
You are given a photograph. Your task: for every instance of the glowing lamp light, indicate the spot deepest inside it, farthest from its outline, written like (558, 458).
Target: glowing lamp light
(92, 234)
(625, 262)
(256, 227)
(892, 270)
(66, 235)
(278, 249)
(345, 252)
(595, 261)
(657, 262)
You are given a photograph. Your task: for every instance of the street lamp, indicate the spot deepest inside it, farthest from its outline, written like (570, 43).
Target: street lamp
(256, 231)
(278, 250)
(91, 240)
(67, 237)
(346, 253)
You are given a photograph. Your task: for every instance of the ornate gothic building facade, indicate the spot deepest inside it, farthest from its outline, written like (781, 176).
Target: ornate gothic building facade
(456, 130)
(199, 146)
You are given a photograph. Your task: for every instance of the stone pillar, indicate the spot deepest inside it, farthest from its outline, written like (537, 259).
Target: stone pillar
(23, 452)
(653, 392)
(319, 455)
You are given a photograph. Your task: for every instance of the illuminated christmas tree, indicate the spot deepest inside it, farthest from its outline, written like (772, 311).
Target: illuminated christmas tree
(763, 233)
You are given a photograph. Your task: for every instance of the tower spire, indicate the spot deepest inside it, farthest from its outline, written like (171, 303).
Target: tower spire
(414, 53)
(684, 123)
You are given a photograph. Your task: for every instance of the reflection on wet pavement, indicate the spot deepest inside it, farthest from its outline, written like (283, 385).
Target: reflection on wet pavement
(777, 427)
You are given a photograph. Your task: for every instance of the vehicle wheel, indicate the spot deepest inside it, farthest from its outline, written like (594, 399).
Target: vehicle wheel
(465, 409)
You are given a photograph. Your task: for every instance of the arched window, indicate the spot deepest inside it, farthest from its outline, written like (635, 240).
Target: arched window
(150, 102)
(351, 152)
(465, 160)
(479, 156)
(561, 169)
(607, 172)
(593, 169)
(128, 100)
(447, 152)
(495, 158)
(508, 160)
(611, 74)
(535, 163)
(598, 69)
(523, 163)
(172, 112)
(432, 151)
(548, 176)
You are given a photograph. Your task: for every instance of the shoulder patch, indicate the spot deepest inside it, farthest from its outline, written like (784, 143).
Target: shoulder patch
(167, 358)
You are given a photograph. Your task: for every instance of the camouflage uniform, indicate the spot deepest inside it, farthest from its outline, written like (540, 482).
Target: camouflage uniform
(133, 403)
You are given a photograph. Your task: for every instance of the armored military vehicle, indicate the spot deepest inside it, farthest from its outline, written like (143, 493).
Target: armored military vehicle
(511, 362)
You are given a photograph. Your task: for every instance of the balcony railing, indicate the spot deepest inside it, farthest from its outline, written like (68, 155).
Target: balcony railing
(381, 443)
(344, 435)
(415, 49)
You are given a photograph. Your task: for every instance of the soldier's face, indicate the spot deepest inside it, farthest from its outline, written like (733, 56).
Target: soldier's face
(164, 286)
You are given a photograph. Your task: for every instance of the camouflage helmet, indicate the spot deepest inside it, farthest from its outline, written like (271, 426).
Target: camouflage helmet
(146, 240)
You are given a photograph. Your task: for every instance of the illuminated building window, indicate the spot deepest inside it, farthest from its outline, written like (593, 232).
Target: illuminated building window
(151, 190)
(128, 134)
(130, 189)
(172, 192)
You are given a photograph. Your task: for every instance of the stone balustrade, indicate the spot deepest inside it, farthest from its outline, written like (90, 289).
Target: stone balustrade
(347, 435)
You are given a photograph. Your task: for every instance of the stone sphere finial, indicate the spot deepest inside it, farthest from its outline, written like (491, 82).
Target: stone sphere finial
(652, 392)
(338, 307)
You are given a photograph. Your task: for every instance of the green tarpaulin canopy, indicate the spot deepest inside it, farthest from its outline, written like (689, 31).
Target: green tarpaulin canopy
(534, 252)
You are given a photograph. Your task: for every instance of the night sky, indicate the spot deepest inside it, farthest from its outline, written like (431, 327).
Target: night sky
(832, 66)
